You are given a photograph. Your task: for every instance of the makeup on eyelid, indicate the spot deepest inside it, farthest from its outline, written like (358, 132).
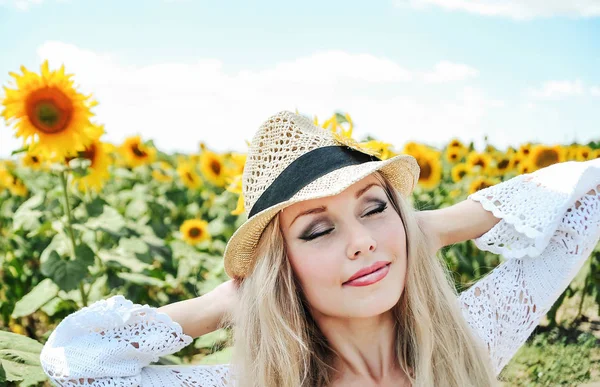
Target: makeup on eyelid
(311, 234)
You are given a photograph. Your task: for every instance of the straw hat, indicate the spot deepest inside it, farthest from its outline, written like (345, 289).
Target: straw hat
(291, 160)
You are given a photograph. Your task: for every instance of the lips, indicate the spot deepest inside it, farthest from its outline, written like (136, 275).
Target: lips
(367, 270)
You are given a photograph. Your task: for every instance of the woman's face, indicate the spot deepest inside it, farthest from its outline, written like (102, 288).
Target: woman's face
(329, 239)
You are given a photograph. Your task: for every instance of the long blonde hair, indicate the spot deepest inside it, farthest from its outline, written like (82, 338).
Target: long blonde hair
(278, 343)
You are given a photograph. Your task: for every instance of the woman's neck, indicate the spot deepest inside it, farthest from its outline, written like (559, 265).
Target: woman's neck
(365, 347)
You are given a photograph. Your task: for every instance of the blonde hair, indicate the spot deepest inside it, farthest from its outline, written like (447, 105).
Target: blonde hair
(278, 343)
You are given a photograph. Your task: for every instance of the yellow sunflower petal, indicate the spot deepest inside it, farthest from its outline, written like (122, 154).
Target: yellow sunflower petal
(47, 110)
(194, 231)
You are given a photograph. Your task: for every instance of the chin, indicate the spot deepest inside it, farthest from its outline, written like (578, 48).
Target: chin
(382, 301)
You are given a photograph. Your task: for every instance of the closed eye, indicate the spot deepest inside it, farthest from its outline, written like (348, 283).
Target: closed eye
(377, 210)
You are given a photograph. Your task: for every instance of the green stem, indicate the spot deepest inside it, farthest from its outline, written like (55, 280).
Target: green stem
(63, 180)
(580, 309)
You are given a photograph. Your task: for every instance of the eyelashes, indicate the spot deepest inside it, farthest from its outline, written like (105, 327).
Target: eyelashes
(381, 208)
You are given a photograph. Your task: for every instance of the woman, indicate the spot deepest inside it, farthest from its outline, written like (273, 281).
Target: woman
(339, 283)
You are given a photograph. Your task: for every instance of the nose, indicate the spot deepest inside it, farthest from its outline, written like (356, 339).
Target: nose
(361, 242)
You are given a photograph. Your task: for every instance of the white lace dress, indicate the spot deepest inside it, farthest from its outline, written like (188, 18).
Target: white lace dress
(550, 225)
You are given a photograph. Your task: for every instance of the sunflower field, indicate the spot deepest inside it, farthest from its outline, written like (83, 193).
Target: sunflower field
(82, 219)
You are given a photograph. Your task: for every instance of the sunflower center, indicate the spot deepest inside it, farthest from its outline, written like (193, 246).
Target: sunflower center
(35, 159)
(137, 151)
(480, 163)
(425, 169)
(215, 166)
(189, 176)
(49, 110)
(481, 186)
(546, 157)
(195, 232)
(503, 163)
(461, 174)
(89, 153)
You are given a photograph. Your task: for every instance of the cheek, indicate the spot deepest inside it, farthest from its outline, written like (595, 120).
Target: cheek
(391, 237)
(314, 267)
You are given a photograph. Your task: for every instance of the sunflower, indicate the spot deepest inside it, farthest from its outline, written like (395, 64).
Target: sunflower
(455, 143)
(459, 171)
(33, 160)
(479, 160)
(4, 176)
(480, 183)
(414, 149)
(98, 154)
(136, 153)
(15, 185)
(490, 149)
(239, 161)
(454, 193)
(212, 167)
(430, 170)
(453, 154)
(337, 127)
(194, 231)
(503, 164)
(595, 154)
(162, 174)
(188, 175)
(516, 159)
(583, 153)
(541, 156)
(571, 152)
(525, 166)
(47, 111)
(383, 149)
(524, 149)
(235, 186)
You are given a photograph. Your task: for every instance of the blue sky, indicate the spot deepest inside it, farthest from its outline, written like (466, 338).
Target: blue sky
(181, 72)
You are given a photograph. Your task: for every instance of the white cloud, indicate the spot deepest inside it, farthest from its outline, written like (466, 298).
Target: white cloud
(180, 104)
(22, 5)
(445, 71)
(516, 9)
(557, 89)
(595, 91)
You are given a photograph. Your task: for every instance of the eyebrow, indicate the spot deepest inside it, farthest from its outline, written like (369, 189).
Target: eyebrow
(318, 210)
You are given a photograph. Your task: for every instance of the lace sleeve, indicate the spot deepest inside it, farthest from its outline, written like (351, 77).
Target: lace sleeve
(112, 343)
(550, 224)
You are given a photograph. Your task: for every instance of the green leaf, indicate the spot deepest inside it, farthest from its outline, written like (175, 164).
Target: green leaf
(133, 245)
(220, 357)
(136, 208)
(27, 216)
(122, 259)
(20, 359)
(211, 339)
(84, 255)
(141, 279)
(52, 307)
(65, 273)
(110, 220)
(79, 166)
(95, 208)
(36, 298)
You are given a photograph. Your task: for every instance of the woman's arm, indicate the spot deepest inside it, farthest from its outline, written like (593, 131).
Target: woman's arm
(457, 223)
(201, 315)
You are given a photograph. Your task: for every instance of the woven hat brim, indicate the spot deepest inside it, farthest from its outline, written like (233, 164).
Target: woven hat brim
(240, 252)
